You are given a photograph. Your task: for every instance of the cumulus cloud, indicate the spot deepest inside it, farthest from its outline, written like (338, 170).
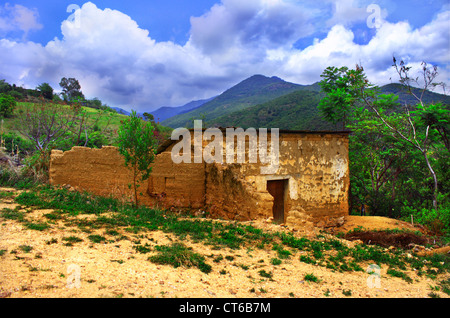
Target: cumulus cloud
(18, 18)
(116, 60)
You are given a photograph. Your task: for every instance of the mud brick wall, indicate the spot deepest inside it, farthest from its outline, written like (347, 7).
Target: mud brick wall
(99, 171)
(176, 185)
(315, 169)
(313, 166)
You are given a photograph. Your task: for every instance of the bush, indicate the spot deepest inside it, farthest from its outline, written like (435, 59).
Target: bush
(7, 105)
(436, 222)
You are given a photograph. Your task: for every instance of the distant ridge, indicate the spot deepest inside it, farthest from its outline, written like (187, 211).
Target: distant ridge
(164, 113)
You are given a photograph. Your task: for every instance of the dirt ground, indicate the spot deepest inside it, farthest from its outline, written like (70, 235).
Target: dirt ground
(50, 269)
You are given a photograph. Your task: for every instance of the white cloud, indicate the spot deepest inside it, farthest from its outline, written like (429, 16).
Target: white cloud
(18, 18)
(118, 62)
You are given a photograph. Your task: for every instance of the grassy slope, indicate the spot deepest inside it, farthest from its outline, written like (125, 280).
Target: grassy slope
(295, 111)
(109, 120)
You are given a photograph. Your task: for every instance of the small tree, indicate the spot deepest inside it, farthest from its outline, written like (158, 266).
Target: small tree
(138, 147)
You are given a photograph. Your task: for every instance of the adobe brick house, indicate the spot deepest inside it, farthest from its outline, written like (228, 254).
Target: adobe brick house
(308, 187)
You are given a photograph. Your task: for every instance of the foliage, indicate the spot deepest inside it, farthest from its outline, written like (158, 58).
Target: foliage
(7, 105)
(398, 146)
(71, 88)
(138, 147)
(46, 90)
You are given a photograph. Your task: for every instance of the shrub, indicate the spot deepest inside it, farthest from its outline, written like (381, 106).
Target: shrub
(7, 105)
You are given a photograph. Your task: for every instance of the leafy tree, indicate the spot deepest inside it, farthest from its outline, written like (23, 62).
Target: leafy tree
(46, 90)
(354, 100)
(341, 88)
(138, 147)
(71, 88)
(7, 105)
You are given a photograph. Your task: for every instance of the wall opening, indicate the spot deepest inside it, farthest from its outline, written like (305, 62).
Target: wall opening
(277, 189)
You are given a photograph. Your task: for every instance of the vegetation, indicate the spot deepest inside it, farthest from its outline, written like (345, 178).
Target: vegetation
(36, 121)
(399, 153)
(138, 147)
(279, 113)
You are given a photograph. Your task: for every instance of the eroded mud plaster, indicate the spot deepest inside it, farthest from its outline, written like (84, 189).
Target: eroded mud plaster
(314, 166)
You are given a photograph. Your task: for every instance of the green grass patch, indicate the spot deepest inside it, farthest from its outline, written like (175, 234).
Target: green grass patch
(96, 238)
(311, 278)
(402, 275)
(11, 214)
(37, 226)
(178, 255)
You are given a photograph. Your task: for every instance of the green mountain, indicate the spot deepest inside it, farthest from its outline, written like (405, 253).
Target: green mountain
(298, 110)
(294, 111)
(253, 91)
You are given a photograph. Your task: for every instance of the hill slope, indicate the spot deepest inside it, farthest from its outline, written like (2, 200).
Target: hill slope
(298, 110)
(255, 90)
(294, 111)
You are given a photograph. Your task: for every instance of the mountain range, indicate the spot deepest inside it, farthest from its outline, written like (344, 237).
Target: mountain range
(267, 102)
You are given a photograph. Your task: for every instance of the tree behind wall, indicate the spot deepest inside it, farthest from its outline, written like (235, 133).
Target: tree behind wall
(138, 147)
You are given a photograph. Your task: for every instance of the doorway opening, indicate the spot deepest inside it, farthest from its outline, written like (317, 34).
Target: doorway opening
(277, 189)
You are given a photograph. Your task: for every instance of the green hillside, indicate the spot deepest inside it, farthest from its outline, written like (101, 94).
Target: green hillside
(294, 111)
(100, 125)
(298, 110)
(253, 91)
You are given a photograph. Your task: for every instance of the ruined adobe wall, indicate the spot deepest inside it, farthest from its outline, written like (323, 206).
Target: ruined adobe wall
(103, 172)
(314, 165)
(176, 185)
(317, 173)
(99, 171)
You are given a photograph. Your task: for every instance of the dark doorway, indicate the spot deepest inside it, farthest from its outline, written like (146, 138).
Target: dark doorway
(277, 188)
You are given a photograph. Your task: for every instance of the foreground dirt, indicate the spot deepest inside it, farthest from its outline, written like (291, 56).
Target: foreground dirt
(115, 269)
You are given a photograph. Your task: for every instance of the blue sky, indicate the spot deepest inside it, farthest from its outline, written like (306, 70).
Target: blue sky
(147, 54)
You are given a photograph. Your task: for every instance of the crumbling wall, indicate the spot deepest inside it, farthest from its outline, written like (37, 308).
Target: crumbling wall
(99, 171)
(314, 165)
(230, 196)
(176, 185)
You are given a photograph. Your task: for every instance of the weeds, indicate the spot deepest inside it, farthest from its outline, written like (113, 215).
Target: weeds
(178, 255)
(396, 273)
(96, 238)
(311, 278)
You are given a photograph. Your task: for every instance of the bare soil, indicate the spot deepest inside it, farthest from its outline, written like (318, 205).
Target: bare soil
(40, 264)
